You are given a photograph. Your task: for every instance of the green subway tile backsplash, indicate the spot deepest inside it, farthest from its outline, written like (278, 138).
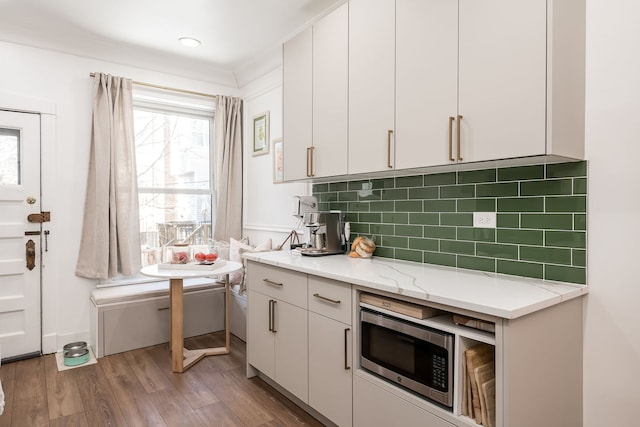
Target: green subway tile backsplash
(409, 206)
(547, 187)
(456, 219)
(521, 173)
(476, 263)
(503, 189)
(423, 193)
(566, 204)
(477, 234)
(483, 175)
(409, 181)
(424, 218)
(541, 218)
(409, 255)
(424, 244)
(440, 179)
(560, 170)
(395, 217)
(521, 204)
(458, 191)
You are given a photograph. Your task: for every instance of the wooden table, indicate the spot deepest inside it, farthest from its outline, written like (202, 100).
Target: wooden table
(182, 358)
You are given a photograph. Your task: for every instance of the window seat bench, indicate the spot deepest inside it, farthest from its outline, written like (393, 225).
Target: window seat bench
(128, 317)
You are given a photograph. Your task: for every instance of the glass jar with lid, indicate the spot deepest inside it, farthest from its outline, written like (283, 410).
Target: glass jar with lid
(180, 253)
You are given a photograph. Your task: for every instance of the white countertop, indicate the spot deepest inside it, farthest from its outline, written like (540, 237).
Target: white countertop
(498, 295)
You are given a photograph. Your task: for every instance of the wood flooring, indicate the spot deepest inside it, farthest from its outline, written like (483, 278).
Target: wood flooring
(137, 388)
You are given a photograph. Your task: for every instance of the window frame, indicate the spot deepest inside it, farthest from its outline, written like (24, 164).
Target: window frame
(188, 106)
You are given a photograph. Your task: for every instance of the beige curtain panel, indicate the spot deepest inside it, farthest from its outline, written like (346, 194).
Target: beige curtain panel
(110, 242)
(228, 157)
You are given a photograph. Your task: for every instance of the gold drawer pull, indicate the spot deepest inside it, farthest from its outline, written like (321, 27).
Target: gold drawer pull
(333, 301)
(451, 119)
(271, 282)
(458, 135)
(346, 344)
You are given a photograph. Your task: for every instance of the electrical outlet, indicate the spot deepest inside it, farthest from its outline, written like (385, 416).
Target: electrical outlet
(484, 219)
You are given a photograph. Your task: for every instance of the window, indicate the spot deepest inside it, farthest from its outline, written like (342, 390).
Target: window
(175, 177)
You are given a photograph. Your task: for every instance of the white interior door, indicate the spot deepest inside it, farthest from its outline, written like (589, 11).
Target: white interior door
(20, 306)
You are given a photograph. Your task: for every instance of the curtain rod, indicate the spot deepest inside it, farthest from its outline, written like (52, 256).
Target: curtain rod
(190, 92)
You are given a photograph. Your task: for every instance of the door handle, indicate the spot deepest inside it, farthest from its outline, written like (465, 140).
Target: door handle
(389, 164)
(273, 316)
(31, 254)
(346, 344)
(451, 119)
(458, 130)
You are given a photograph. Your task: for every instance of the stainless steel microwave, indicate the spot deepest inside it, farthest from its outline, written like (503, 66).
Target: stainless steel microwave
(408, 354)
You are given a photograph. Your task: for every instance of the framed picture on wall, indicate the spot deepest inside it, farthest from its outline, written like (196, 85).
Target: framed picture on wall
(278, 161)
(260, 134)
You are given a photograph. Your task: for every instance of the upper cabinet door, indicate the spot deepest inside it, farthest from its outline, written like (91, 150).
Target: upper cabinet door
(502, 83)
(330, 93)
(297, 105)
(371, 85)
(426, 81)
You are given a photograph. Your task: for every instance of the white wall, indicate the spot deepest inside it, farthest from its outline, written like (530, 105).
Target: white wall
(267, 206)
(612, 318)
(64, 80)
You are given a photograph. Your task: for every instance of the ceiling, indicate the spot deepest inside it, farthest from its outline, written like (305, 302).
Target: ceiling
(144, 33)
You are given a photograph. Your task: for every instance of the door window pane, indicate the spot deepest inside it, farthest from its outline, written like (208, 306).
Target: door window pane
(9, 156)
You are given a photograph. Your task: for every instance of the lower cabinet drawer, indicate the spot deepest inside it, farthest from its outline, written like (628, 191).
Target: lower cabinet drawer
(279, 283)
(330, 298)
(140, 324)
(376, 407)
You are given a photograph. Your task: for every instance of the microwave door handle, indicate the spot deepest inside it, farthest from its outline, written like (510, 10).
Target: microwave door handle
(403, 328)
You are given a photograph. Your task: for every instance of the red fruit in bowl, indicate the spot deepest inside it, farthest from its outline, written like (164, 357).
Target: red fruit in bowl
(212, 257)
(200, 256)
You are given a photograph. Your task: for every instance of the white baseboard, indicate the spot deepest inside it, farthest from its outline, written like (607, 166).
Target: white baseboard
(49, 343)
(64, 339)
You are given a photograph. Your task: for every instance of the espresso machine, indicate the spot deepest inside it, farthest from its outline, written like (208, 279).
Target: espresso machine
(325, 234)
(324, 231)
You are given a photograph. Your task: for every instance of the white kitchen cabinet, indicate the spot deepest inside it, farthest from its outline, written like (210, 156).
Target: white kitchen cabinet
(277, 327)
(502, 79)
(260, 340)
(330, 350)
(297, 117)
(426, 82)
(371, 85)
(315, 79)
(377, 407)
(328, 156)
(516, 68)
(538, 374)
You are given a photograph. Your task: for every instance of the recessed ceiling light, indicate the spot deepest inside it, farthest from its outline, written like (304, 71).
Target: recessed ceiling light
(189, 41)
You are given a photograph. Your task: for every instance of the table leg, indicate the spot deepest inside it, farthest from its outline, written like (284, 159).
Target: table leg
(177, 338)
(227, 316)
(182, 358)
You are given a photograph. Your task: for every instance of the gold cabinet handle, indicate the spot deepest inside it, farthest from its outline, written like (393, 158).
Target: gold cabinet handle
(270, 315)
(311, 150)
(346, 343)
(273, 316)
(308, 151)
(271, 282)
(389, 133)
(333, 301)
(451, 119)
(458, 135)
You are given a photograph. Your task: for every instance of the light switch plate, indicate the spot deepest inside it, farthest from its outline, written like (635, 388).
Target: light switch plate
(484, 219)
